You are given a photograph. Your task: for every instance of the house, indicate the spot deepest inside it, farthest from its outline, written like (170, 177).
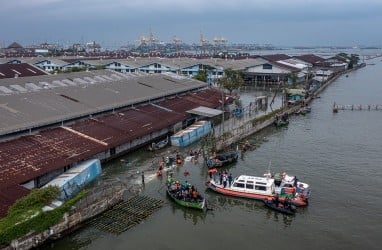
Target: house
(322, 75)
(121, 66)
(334, 63)
(311, 59)
(295, 95)
(276, 57)
(76, 64)
(48, 65)
(269, 72)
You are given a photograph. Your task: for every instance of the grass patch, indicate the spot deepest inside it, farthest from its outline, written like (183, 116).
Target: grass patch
(26, 214)
(266, 117)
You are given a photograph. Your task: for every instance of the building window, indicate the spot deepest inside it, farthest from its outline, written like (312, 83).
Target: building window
(267, 66)
(112, 151)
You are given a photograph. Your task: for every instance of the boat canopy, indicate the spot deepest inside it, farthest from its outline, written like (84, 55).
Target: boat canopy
(261, 181)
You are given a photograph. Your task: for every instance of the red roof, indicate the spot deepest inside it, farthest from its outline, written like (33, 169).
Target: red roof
(19, 70)
(276, 57)
(10, 195)
(310, 58)
(31, 156)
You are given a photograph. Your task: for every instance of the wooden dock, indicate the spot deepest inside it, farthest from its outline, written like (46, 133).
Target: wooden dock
(359, 107)
(126, 214)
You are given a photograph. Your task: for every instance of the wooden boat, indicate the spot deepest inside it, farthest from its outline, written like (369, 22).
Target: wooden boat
(281, 123)
(222, 159)
(285, 209)
(158, 145)
(307, 109)
(260, 188)
(199, 203)
(281, 120)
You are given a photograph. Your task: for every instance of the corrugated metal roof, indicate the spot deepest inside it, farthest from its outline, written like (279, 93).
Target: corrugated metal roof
(204, 111)
(19, 70)
(29, 157)
(79, 96)
(10, 195)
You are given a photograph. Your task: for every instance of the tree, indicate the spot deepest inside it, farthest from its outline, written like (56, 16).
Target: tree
(201, 76)
(204, 71)
(231, 80)
(293, 78)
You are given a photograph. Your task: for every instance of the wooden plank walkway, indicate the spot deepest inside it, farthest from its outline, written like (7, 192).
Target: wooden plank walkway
(369, 107)
(126, 214)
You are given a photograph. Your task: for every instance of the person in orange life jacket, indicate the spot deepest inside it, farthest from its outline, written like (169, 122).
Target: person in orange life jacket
(195, 194)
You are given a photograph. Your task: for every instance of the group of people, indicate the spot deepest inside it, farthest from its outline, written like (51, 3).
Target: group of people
(247, 146)
(286, 203)
(225, 179)
(186, 191)
(284, 117)
(194, 155)
(168, 162)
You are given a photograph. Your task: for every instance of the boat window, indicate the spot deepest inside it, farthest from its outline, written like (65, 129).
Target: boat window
(239, 185)
(261, 183)
(249, 181)
(249, 186)
(260, 188)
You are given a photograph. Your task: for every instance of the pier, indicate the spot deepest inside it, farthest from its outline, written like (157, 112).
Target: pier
(359, 107)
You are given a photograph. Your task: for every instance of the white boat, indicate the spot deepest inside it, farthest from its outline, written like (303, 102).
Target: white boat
(261, 188)
(159, 145)
(285, 183)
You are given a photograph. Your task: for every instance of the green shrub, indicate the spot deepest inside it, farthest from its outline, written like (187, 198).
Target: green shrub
(22, 219)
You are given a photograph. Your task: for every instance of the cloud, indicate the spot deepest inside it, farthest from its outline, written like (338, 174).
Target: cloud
(187, 6)
(237, 20)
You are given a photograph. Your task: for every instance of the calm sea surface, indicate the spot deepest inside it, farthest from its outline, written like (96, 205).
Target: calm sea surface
(339, 155)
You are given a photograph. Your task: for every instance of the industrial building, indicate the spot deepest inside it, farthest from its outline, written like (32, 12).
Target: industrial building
(50, 123)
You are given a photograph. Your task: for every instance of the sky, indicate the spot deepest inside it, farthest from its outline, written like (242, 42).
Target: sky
(113, 23)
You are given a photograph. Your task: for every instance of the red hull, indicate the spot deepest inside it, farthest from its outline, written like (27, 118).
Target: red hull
(295, 201)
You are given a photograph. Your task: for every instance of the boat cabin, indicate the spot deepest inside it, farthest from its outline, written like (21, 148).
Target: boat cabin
(287, 182)
(253, 184)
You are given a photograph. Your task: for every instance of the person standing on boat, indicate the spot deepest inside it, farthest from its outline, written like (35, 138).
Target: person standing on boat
(295, 181)
(224, 180)
(230, 180)
(276, 200)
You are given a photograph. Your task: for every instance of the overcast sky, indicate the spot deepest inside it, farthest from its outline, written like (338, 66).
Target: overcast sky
(118, 22)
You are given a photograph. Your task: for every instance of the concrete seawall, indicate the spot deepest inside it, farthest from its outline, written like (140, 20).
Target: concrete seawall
(245, 127)
(93, 204)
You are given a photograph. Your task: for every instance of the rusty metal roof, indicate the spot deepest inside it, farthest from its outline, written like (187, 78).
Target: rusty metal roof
(10, 195)
(31, 156)
(127, 125)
